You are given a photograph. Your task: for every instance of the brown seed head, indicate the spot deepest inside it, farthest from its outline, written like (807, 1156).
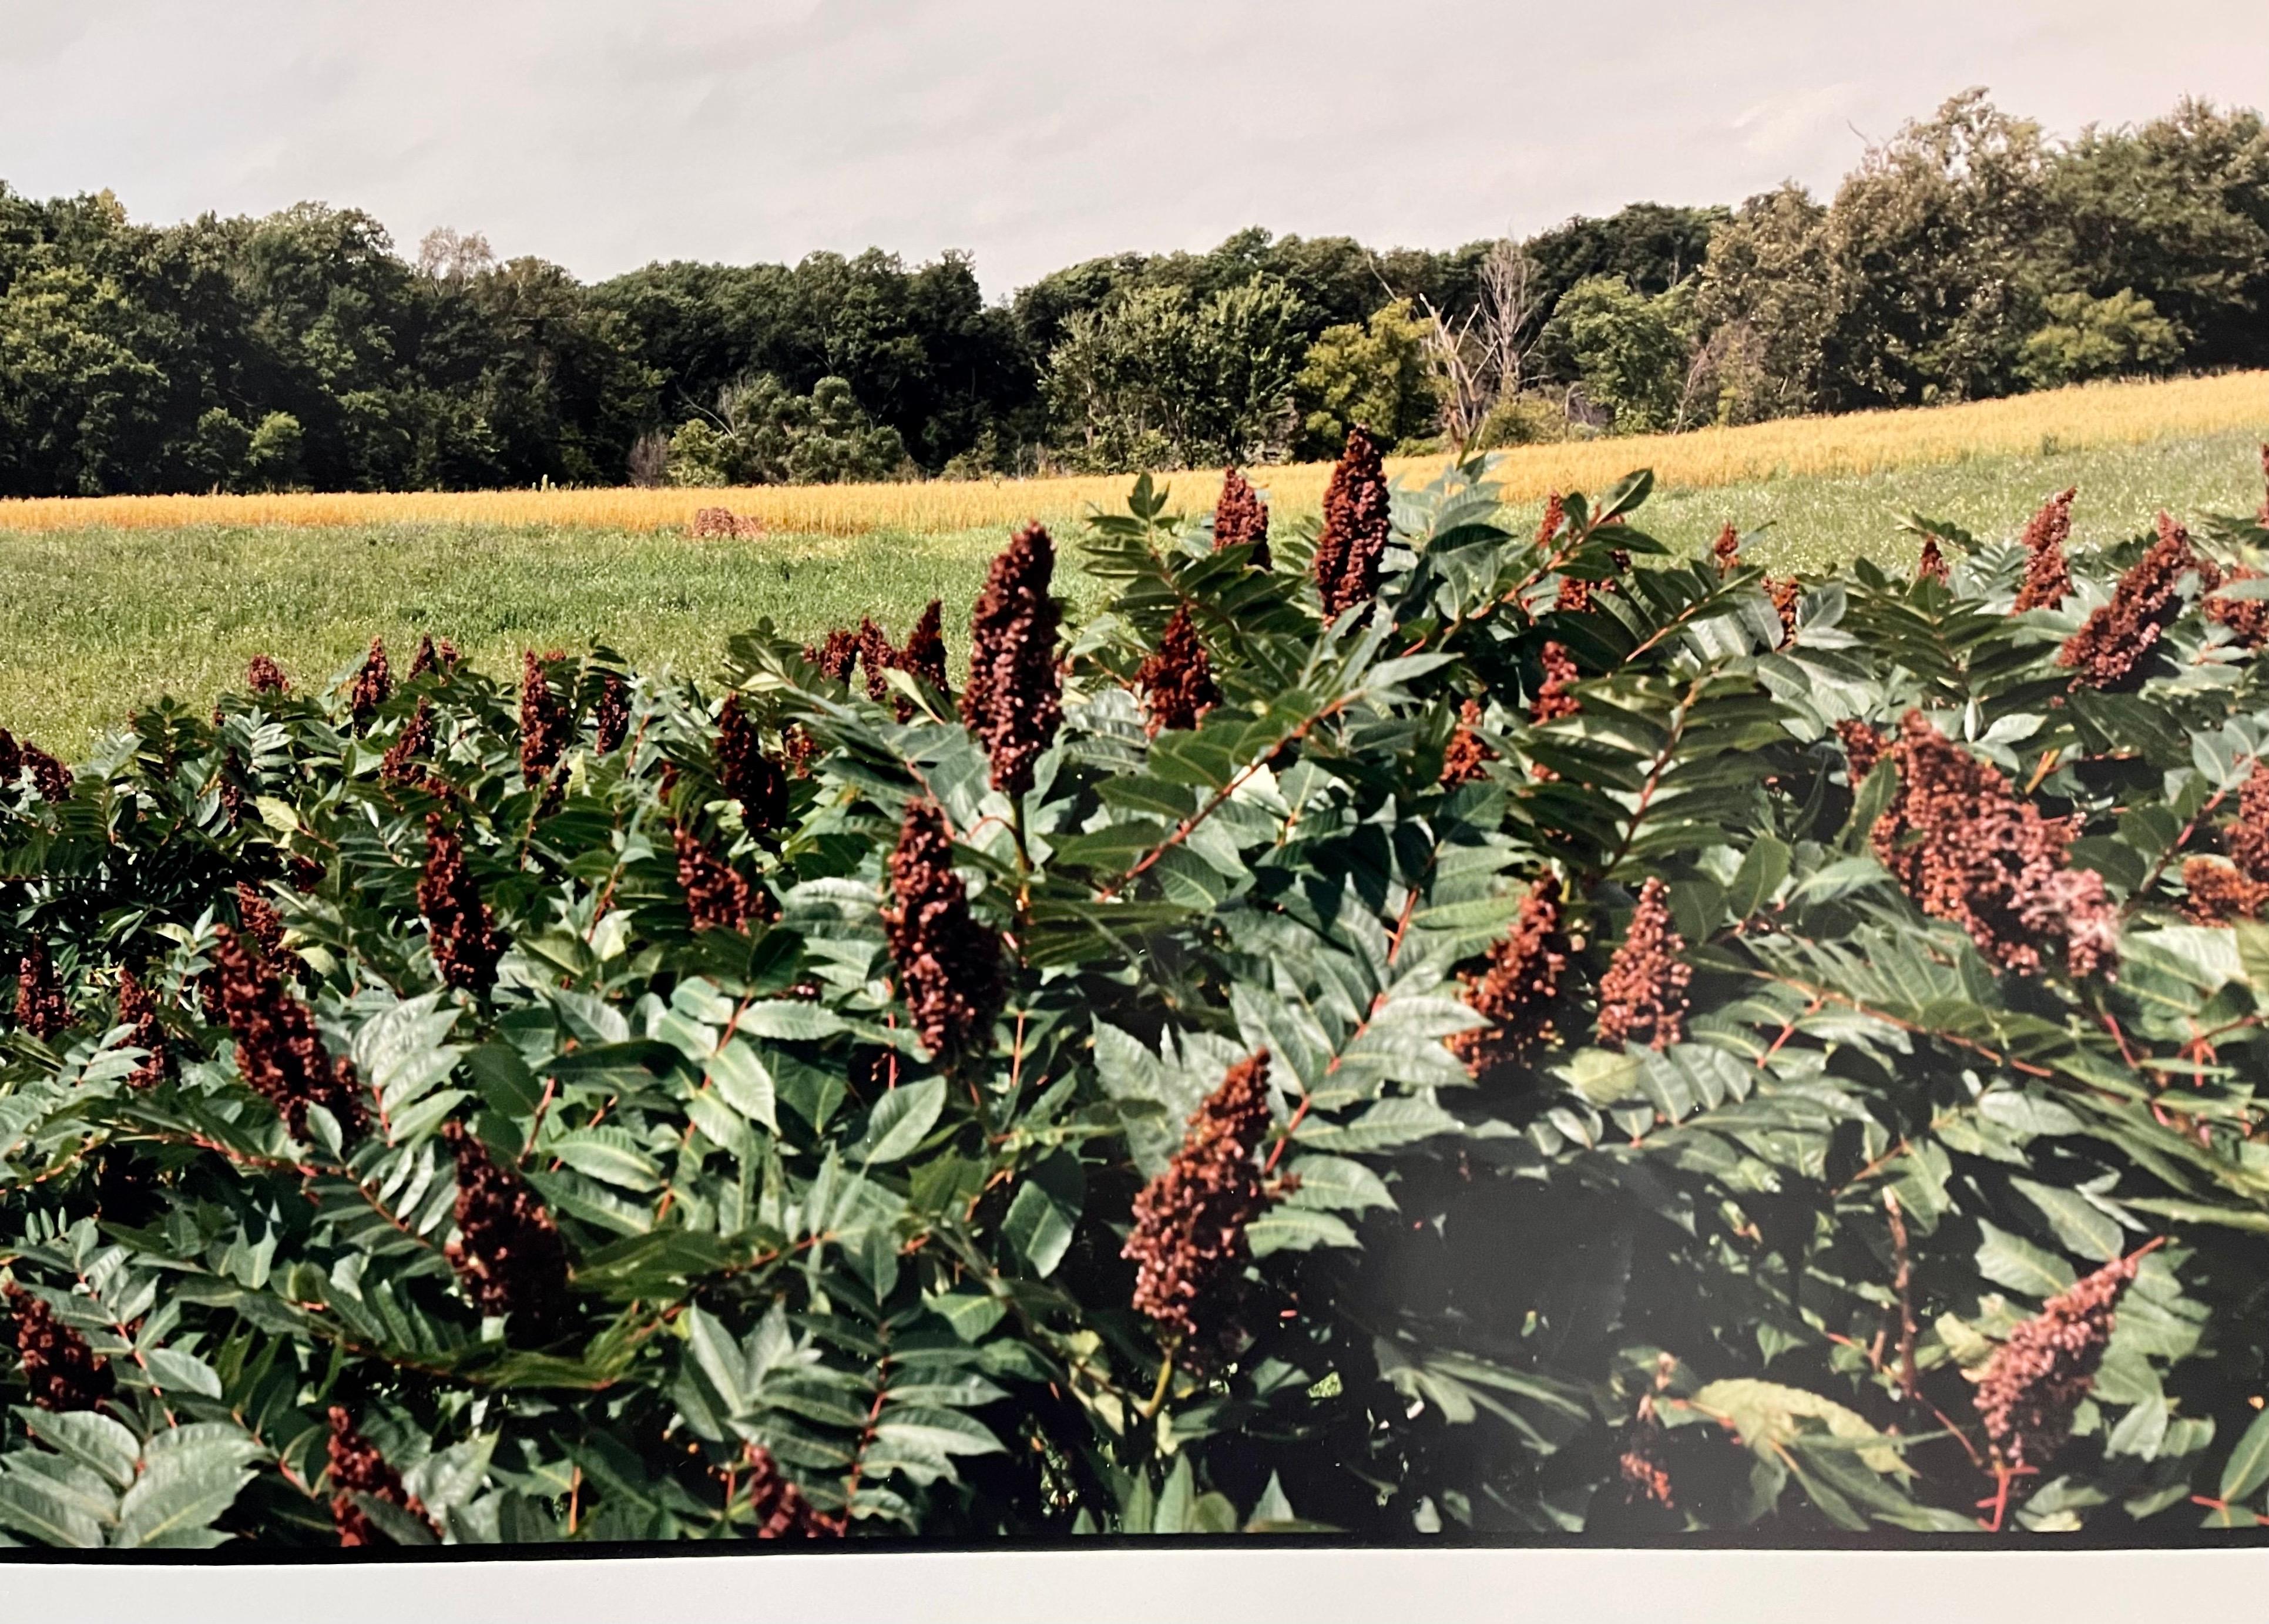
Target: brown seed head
(1189, 1245)
(1931, 564)
(610, 717)
(745, 773)
(2246, 837)
(1176, 681)
(2048, 578)
(358, 1467)
(401, 765)
(278, 1050)
(2035, 1380)
(2247, 618)
(259, 917)
(1642, 996)
(40, 1007)
(62, 1371)
(1548, 527)
(1466, 759)
(2220, 893)
(1575, 596)
(509, 1253)
(799, 749)
(459, 926)
(1014, 702)
(924, 654)
(778, 1508)
(374, 685)
(836, 655)
(1863, 747)
(1552, 698)
(137, 1007)
(1640, 1469)
(718, 895)
(263, 675)
(1240, 518)
(1787, 593)
(1357, 525)
(49, 777)
(544, 725)
(2112, 649)
(875, 658)
(949, 965)
(1726, 549)
(1519, 988)
(229, 782)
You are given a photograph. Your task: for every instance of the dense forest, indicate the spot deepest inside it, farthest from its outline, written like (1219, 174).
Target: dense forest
(1974, 254)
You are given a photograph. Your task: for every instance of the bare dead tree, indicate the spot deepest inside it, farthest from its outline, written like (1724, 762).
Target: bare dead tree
(1510, 311)
(649, 460)
(1481, 360)
(1722, 371)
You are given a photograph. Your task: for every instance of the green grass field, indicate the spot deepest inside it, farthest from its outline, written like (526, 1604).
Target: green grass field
(92, 621)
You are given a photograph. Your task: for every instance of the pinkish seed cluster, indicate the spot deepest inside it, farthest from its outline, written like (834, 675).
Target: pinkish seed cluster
(1642, 996)
(1966, 848)
(2048, 576)
(2029, 1389)
(1519, 987)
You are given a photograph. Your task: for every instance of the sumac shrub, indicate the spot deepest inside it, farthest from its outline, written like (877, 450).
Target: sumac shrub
(1611, 1061)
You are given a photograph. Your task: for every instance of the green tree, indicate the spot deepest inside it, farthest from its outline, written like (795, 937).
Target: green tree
(764, 433)
(2085, 337)
(1160, 379)
(272, 456)
(75, 417)
(1373, 374)
(1918, 283)
(2176, 211)
(1335, 279)
(217, 450)
(1630, 353)
(1766, 286)
(1653, 247)
(920, 346)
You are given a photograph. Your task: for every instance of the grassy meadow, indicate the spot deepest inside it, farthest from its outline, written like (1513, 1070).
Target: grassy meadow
(96, 618)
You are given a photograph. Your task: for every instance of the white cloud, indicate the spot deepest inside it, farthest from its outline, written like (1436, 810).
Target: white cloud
(1789, 126)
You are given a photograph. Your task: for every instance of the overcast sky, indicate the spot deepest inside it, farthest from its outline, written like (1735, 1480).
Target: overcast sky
(604, 133)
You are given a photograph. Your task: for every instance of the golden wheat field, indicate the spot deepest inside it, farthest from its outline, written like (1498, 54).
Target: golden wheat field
(1857, 443)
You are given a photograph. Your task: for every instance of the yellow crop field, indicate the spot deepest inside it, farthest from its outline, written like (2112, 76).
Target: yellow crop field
(1857, 443)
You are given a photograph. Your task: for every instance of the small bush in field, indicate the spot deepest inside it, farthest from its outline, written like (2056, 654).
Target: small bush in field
(1524, 1060)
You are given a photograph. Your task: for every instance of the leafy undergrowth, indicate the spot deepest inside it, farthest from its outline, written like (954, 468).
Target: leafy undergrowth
(1411, 1027)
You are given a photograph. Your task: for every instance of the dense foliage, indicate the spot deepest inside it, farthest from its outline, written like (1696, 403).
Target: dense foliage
(1971, 255)
(1450, 1028)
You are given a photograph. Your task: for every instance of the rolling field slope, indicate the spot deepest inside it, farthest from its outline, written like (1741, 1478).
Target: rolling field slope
(96, 617)
(1858, 444)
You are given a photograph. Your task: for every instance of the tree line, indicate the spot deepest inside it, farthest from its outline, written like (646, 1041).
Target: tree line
(1973, 255)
